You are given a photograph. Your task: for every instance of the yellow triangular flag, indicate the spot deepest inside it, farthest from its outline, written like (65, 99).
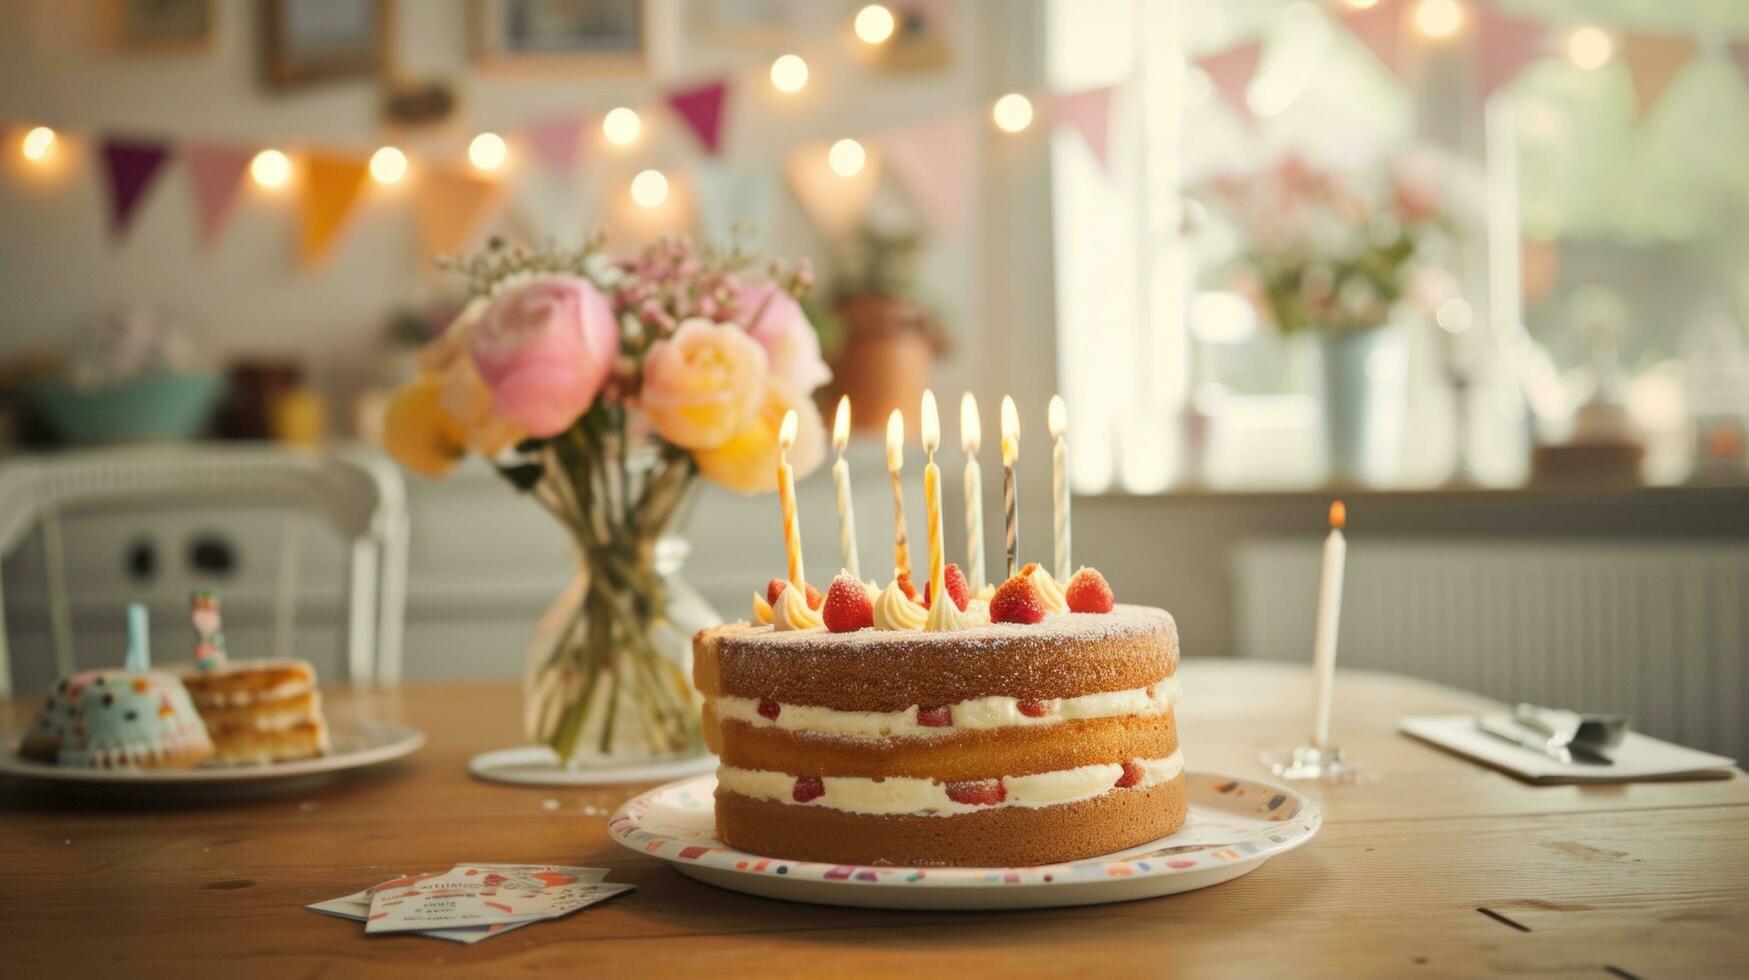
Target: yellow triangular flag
(452, 204)
(1653, 61)
(331, 187)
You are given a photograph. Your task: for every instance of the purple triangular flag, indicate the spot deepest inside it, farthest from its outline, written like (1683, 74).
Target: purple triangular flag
(128, 167)
(702, 108)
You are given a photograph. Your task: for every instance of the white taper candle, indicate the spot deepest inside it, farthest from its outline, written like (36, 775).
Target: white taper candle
(1329, 616)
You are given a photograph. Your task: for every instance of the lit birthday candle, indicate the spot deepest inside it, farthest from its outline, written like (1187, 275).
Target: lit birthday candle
(929, 424)
(895, 463)
(1329, 614)
(970, 437)
(1059, 425)
(1010, 455)
(841, 479)
(786, 495)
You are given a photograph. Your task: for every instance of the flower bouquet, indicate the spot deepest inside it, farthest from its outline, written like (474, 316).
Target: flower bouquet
(604, 388)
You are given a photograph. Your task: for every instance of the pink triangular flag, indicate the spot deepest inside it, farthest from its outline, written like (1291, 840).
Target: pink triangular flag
(1740, 54)
(557, 142)
(1090, 113)
(934, 162)
(1231, 72)
(1380, 28)
(702, 108)
(129, 165)
(215, 174)
(1653, 61)
(1504, 45)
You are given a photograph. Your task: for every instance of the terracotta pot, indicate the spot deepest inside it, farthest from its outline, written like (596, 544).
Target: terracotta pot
(885, 361)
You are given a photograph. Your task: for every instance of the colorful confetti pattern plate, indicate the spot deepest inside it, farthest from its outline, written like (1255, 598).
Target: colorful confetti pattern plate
(1234, 826)
(357, 745)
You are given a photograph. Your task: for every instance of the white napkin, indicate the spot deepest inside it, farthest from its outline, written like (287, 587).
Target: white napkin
(1639, 758)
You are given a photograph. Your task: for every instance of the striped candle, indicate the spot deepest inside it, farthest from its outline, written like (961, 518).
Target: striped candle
(841, 480)
(895, 463)
(1059, 425)
(1010, 507)
(971, 436)
(786, 496)
(929, 424)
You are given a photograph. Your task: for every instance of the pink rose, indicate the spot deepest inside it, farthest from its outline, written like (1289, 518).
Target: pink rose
(544, 350)
(776, 320)
(702, 384)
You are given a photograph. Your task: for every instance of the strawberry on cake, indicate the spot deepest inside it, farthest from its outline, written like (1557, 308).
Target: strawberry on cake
(866, 727)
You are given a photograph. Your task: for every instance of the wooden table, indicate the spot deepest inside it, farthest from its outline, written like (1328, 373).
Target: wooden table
(1436, 868)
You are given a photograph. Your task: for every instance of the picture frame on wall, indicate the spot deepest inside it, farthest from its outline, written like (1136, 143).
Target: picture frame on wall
(313, 41)
(160, 26)
(590, 36)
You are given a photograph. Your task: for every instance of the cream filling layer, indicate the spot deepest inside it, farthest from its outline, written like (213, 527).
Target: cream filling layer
(975, 714)
(909, 795)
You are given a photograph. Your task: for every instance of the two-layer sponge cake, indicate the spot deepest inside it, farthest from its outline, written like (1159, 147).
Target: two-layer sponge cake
(1002, 744)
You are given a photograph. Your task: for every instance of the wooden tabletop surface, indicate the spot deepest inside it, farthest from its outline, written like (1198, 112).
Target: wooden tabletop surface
(1435, 868)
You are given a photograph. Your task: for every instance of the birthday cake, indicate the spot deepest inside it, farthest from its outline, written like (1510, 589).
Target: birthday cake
(134, 717)
(865, 728)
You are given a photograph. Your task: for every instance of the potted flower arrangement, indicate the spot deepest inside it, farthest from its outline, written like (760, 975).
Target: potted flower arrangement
(604, 388)
(1325, 254)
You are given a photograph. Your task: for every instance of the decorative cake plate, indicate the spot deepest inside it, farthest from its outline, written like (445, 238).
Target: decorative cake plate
(1234, 825)
(356, 746)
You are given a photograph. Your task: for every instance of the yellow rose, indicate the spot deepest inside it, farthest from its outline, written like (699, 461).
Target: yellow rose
(465, 395)
(703, 384)
(747, 463)
(418, 432)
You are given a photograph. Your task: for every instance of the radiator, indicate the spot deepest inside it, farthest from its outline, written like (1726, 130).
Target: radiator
(1655, 630)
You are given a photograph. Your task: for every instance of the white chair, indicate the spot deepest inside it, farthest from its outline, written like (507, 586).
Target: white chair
(359, 493)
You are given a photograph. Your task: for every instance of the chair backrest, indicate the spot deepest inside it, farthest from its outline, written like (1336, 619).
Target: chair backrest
(359, 493)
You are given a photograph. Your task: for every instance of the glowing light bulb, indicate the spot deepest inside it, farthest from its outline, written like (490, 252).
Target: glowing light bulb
(621, 125)
(846, 158)
(1013, 112)
(1589, 48)
(874, 24)
(789, 73)
(37, 143)
(488, 151)
(1439, 19)
(388, 165)
(649, 189)
(270, 168)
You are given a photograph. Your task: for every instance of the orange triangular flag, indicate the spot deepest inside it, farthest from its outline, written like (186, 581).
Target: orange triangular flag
(1653, 61)
(331, 187)
(452, 205)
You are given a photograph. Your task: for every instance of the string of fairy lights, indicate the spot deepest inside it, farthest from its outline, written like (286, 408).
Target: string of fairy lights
(488, 152)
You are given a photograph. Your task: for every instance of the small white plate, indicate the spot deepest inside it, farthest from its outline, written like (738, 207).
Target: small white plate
(538, 765)
(356, 746)
(1234, 825)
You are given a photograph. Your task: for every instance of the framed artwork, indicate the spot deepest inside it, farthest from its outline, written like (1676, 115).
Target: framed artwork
(759, 25)
(611, 36)
(160, 26)
(310, 41)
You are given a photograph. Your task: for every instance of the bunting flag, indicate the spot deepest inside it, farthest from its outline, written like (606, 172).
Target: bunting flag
(1740, 54)
(129, 165)
(215, 175)
(934, 163)
(734, 203)
(331, 187)
(1231, 72)
(1504, 45)
(557, 142)
(835, 204)
(702, 109)
(1653, 61)
(1089, 112)
(452, 206)
(1380, 28)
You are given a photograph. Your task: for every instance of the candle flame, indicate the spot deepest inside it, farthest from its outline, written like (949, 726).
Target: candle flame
(1010, 432)
(786, 433)
(1059, 417)
(930, 423)
(896, 441)
(971, 432)
(1338, 516)
(841, 424)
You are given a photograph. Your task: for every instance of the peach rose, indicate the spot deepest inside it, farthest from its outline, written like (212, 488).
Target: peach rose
(747, 462)
(702, 384)
(464, 394)
(544, 349)
(777, 322)
(419, 433)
